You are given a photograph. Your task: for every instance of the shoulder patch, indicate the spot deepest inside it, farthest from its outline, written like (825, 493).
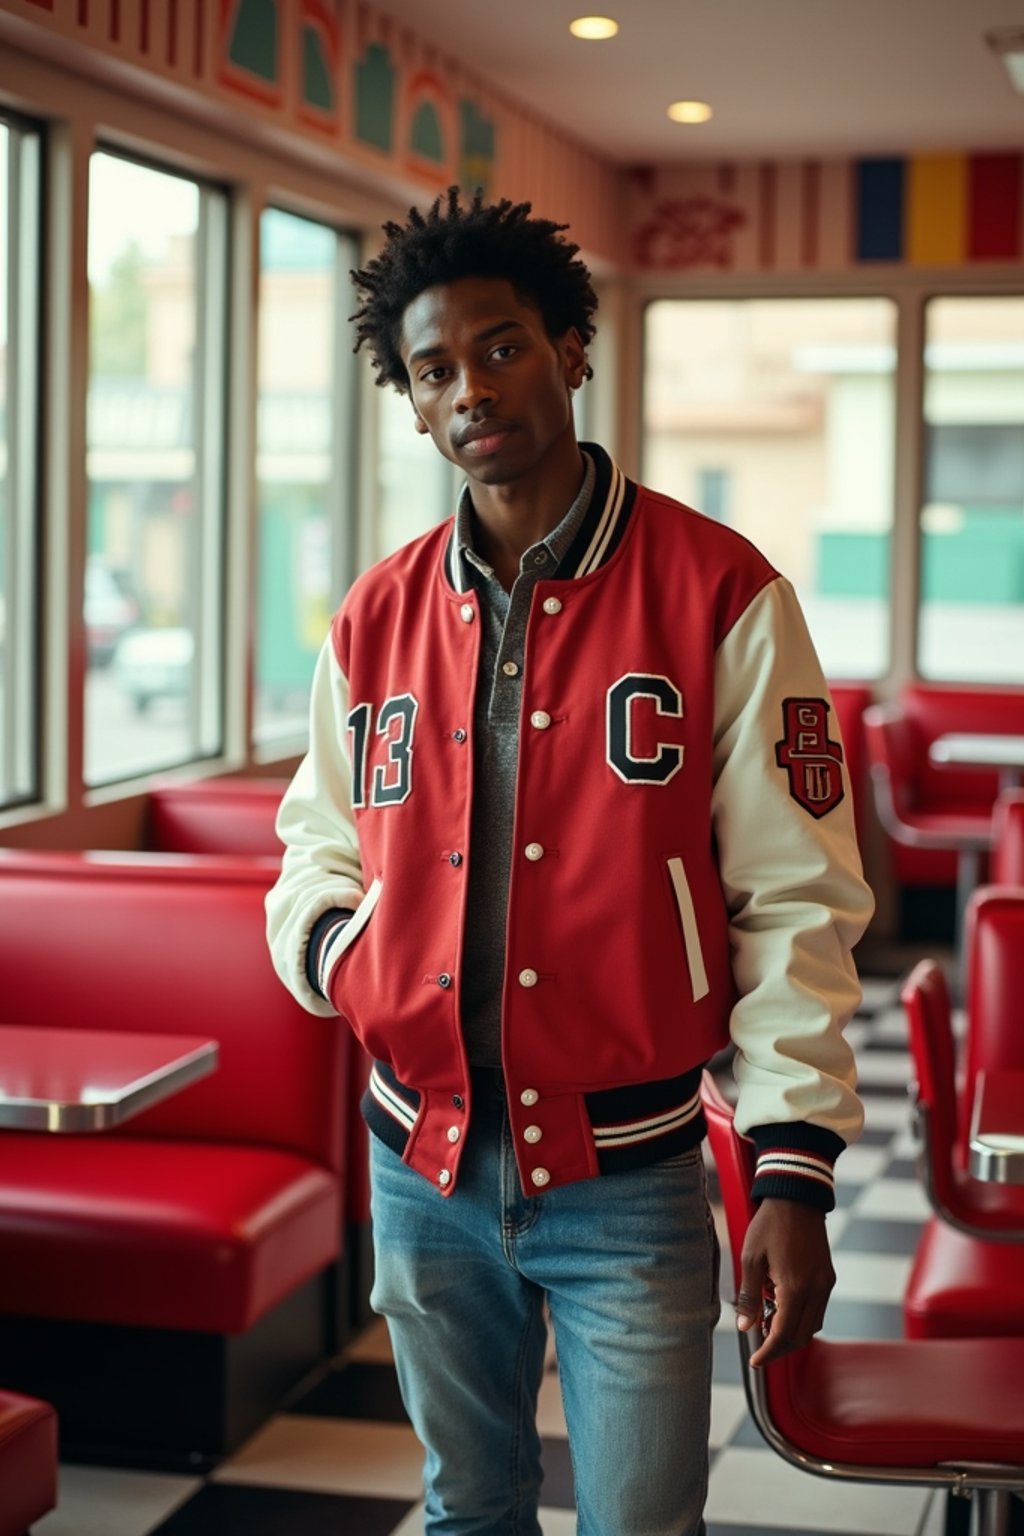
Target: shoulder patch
(812, 761)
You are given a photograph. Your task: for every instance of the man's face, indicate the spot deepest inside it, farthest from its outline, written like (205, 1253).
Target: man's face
(487, 381)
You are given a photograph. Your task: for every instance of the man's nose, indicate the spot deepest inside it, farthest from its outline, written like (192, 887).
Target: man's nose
(475, 389)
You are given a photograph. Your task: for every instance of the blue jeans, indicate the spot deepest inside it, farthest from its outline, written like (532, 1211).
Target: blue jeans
(628, 1265)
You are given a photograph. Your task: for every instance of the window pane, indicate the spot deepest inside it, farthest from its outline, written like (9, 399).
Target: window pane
(777, 417)
(157, 262)
(415, 483)
(303, 450)
(972, 522)
(20, 214)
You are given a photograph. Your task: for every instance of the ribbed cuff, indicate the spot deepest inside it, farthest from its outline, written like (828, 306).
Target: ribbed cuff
(795, 1162)
(324, 931)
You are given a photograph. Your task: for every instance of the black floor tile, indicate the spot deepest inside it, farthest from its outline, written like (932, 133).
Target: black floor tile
(867, 1234)
(902, 1168)
(727, 1371)
(874, 1136)
(360, 1390)
(228, 1509)
(558, 1489)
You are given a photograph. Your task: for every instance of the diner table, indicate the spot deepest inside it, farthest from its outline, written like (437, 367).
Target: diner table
(970, 749)
(73, 1080)
(996, 1142)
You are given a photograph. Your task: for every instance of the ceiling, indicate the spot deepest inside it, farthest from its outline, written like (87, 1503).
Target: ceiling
(784, 77)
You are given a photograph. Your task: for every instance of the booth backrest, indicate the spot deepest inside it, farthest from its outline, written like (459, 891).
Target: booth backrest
(934, 711)
(154, 945)
(1008, 837)
(215, 816)
(995, 985)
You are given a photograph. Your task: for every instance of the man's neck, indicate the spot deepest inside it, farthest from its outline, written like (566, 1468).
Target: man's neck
(509, 519)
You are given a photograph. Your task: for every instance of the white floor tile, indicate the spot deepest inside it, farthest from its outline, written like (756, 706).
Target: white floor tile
(858, 1165)
(884, 1068)
(888, 1114)
(837, 1223)
(550, 1413)
(905, 1143)
(97, 1501)
(330, 1456)
(728, 1407)
(373, 1345)
(871, 1276)
(758, 1487)
(897, 1199)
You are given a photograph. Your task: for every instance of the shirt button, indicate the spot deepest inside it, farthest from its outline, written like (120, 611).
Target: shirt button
(467, 613)
(540, 719)
(458, 1101)
(444, 1178)
(540, 1177)
(532, 1134)
(541, 557)
(455, 859)
(534, 851)
(459, 736)
(510, 669)
(552, 605)
(444, 980)
(529, 1097)
(528, 978)
(453, 1133)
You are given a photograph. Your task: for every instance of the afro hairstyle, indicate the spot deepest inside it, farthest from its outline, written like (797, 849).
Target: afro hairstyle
(482, 240)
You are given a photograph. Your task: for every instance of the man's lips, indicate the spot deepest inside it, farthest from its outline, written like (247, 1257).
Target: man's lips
(484, 437)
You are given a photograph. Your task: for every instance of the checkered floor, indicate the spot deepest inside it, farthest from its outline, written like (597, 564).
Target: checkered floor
(344, 1461)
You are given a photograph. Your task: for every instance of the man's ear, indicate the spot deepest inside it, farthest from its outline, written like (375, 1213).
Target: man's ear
(575, 355)
(419, 423)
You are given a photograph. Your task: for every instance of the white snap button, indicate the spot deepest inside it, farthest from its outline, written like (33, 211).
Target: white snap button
(444, 1178)
(467, 613)
(540, 719)
(528, 978)
(454, 1133)
(540, 1177)
(529, 1097)
(510, 669)
(534, 851)
(552, 605)
(532, 1134)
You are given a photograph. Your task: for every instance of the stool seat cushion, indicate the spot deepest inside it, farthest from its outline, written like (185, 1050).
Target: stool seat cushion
(164, 1234)
(961, 1287)
(902, 1404)
(28, 1462)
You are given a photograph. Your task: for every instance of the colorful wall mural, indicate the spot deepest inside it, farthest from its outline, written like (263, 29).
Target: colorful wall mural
(935, 210)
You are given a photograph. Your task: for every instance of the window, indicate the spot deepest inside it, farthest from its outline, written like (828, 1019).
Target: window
(20, 245)
(155, 451)
(971, 616)
(415, 483)
(304, 450)
(777, 416)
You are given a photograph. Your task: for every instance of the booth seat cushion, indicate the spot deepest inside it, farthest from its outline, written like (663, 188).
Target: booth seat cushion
(849, 701)
(963, 1287)
(28, 1462)
(189, 1235)
(1008, 834)
(215, 816)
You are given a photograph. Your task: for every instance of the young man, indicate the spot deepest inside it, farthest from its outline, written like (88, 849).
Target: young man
(573, 813)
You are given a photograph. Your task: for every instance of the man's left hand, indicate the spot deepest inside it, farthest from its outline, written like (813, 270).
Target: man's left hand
(786, 1261)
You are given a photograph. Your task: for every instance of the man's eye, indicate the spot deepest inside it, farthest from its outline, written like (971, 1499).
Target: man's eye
(506, 350)
(433, 375)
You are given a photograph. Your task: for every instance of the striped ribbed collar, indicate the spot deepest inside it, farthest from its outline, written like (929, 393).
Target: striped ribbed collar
(598, 536)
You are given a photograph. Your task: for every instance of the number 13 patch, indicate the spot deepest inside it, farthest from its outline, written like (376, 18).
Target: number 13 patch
(813, 762)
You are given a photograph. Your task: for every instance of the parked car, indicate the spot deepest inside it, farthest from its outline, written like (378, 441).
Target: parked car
(152, 664)
(110, 611)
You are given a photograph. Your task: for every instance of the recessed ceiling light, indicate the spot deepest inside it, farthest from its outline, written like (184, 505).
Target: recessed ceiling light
(689, 111)
(594, 28)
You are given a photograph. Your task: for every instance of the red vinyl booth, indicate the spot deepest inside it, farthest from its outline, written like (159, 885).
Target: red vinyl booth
(849, 701)
(164, 1283)
(954, 801)
(228, 815)
(28, 1462)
